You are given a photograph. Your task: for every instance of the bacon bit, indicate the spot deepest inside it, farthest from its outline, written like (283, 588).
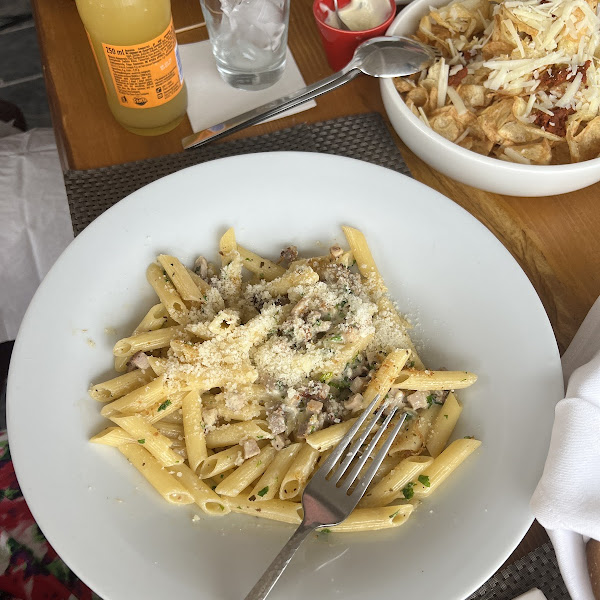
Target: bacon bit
(456, 79)
(583, 70)
(468, 55)
(555, 123)
(549, 79)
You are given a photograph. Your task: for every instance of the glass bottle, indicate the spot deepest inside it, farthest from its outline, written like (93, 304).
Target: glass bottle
(134, 44)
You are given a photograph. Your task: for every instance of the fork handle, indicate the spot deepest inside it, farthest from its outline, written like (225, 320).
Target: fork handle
(265, 584)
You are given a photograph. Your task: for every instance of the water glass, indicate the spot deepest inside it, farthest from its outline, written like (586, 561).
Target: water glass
(249, 40)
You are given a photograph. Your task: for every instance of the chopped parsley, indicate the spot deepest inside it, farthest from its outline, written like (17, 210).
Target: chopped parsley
(164, 405)
(408, 490)
(430, 399)
(468, 437)
(411, 364)
(341, 385)
(394, 514)
(445, 416)
(326, 530)
(336, 338)
(424, 479)
(142, 441)
(326, 377)
(262, 492)
(221, 507)
(248, 259)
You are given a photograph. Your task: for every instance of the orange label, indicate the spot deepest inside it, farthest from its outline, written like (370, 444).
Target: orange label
(146, 75)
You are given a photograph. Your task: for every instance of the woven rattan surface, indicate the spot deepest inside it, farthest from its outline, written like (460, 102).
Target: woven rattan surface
(364, 137)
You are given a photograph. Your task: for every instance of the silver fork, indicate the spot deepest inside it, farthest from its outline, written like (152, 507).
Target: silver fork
(325, 501)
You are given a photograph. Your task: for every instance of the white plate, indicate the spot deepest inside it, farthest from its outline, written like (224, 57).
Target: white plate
(474, 309)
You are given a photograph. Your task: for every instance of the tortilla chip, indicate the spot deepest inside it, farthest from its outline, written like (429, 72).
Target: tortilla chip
(474, 95)
(495, 49)
(403, 85)
(417, 96)
(494, 117)
(516, 132)
(539, 153)
(476, 145)
(585, 144)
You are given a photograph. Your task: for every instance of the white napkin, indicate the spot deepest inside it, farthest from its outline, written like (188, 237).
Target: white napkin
(567, 499)
(36, 226)
(212, 101)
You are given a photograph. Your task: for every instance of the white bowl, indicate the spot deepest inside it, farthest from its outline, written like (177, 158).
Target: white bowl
(466, 166)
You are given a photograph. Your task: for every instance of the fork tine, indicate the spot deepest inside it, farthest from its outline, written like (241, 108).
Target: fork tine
(351, 454)
(326, 467)
(366, 479)
(368, 451)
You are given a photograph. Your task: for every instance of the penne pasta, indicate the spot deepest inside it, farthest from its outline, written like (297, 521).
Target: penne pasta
(180, 278)
(264, 268)
(144, 342)
(202, 494)
(275, 510)
(384, 377)
(229, 435)
(138, 399)
(255, 372)
(371, 519)
(164, 483)
(442, 466)
(153, 441)
(113, 436)
(247, 473)
(119, 386)
(327, 438)
(434, 380)
(167, 293)
(219, 462)
(267, 487)
(389, 487)
(297, 476)
(193, 428)
(443, 425)
(155, 318)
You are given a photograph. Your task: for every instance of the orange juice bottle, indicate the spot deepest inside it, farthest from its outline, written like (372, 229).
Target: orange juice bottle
(136, 52)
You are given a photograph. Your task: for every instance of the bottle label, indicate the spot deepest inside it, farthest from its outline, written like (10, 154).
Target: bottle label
(148, 74)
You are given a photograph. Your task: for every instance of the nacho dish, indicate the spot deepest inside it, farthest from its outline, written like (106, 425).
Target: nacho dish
(518, 80)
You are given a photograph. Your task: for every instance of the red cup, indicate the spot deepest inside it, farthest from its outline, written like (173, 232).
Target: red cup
(339, 44)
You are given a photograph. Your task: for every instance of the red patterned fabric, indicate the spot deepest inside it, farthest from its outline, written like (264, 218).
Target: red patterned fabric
(30, 569)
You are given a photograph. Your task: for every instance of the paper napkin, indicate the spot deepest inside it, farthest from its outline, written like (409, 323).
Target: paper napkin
(212, 101)
(567, 499)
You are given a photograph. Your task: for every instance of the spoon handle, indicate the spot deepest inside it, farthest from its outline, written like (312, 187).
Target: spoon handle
(262, 113)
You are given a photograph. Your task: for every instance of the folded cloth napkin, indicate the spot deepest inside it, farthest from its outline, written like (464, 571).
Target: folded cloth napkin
(567, 499)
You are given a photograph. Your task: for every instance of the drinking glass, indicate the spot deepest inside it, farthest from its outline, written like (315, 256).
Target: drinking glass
(249, 40)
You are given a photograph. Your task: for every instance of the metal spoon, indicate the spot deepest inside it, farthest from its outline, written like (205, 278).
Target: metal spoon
(336, 10)
(378, 57)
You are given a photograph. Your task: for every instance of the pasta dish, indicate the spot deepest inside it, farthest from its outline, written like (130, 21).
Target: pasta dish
(243, 377)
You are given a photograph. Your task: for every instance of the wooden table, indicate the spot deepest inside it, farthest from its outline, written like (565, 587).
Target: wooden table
(554, 239)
